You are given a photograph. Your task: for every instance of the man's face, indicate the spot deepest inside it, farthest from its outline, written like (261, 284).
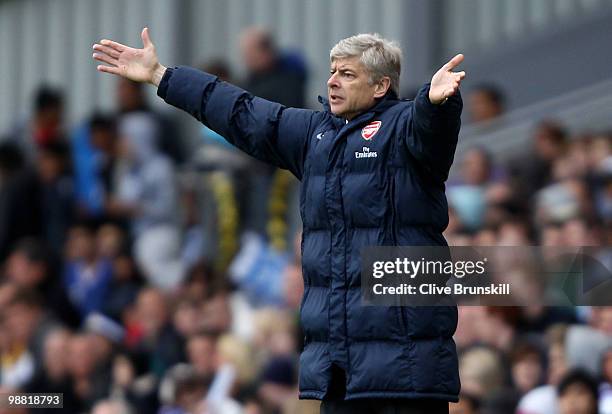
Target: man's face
(577, 400)
(23, 271)
(201, 353)
(483, 107)
(103, 139)
(349, 90)
(256, 57)
(475, 168)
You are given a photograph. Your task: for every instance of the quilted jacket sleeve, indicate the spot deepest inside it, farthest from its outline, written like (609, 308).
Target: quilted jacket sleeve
(265, 130)
(433, 133)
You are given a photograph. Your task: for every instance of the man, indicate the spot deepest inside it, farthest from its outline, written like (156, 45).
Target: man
(270, 75)
(486, 103)
(131, 99)
(578, 393)
(373, 170)
(45, 125)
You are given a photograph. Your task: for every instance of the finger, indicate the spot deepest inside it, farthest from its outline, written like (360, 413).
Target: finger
(106, 59)
(105, 49)
(461, 75)
(454, 62)
(146, 38)
(452, 90)
(108, 69)
(110, 43)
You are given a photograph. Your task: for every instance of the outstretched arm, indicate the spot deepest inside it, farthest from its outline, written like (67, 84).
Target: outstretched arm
(268, 131)
(436, 119)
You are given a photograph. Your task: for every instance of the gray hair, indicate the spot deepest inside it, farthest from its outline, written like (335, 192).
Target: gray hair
(381, 57)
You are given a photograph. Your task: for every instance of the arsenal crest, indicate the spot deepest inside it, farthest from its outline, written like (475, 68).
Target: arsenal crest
(370, 130)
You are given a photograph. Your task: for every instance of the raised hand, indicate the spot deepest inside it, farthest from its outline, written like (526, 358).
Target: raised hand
(445, 82)
(139, 65)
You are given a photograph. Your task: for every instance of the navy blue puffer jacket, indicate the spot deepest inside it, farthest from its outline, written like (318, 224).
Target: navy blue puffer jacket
(376, 180)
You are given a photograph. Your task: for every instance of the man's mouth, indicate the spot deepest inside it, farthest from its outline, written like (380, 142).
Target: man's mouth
(334, 99)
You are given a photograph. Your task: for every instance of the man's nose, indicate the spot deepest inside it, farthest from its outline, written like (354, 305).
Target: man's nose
(332, 82)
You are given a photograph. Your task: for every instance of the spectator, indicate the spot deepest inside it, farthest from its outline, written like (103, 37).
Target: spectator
(112, 244)
(278, 77)
(87, 275)
(151, 337)
(144, 191)
(578, 394)
(95, 156)
(28, 323)
(17, 365)
(533, 170)
(106, 335)
(53, 377)
(543, 400)
(603, 193)
(486, 102)
(585, 346)
(183, 391)
(57, 197)
(481, 371)
(38, 198)
(146, 195)
(239, 355)
(605, 388)
(129, 386)
(527, 367)
(131, 99)
(278, 381)
(90, 381)
(31, 267)
(563, 201)
(20, 209)
(44, 127)
(469, 197)
(202, 354)
(271, 75)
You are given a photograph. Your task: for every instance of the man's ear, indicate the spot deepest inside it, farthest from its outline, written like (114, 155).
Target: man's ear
(382, 87)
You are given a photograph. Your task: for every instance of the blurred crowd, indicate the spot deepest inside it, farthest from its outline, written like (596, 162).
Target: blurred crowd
(139, 276)
(556, 193)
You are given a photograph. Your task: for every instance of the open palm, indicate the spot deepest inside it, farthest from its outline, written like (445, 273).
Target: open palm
(445, 82)
(136, 64)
